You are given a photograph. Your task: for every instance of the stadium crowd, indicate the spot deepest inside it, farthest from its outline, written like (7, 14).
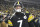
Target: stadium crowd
(9, 10)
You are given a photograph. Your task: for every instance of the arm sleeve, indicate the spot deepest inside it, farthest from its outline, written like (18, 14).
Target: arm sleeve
(33, 20)
(9, 22)
(30, 20)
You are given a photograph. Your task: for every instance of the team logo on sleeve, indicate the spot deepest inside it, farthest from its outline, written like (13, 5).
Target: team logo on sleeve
(25, 17)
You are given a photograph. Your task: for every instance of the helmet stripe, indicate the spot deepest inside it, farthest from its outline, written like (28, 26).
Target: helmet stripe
(18, 2)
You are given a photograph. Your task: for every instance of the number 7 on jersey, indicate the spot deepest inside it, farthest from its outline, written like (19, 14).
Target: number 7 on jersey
(20, 21)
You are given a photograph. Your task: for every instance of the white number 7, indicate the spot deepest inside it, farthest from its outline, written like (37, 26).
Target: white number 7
(20, 21)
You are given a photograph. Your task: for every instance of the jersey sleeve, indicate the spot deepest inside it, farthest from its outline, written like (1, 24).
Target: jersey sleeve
(30, 18)
(33, 20)
(10, 23)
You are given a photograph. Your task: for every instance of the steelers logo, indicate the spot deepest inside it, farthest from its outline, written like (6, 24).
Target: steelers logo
(25, 17)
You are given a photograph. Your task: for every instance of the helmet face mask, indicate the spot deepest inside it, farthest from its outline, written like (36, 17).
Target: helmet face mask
(18, 9)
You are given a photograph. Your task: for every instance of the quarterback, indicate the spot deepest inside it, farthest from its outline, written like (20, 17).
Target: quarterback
(21, 19)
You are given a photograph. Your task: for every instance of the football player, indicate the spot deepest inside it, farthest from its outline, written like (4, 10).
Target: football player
(21, 19)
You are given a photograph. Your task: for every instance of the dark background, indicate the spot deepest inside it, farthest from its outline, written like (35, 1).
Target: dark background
(26, 3)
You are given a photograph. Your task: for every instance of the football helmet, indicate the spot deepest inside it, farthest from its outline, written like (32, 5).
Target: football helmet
(18, 6)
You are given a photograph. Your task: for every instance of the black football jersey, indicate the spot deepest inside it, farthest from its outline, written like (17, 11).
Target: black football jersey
(22, 20)
(19, 20)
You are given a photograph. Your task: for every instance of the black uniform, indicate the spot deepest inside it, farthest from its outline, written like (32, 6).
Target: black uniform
(21, 20)
(18, 20)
